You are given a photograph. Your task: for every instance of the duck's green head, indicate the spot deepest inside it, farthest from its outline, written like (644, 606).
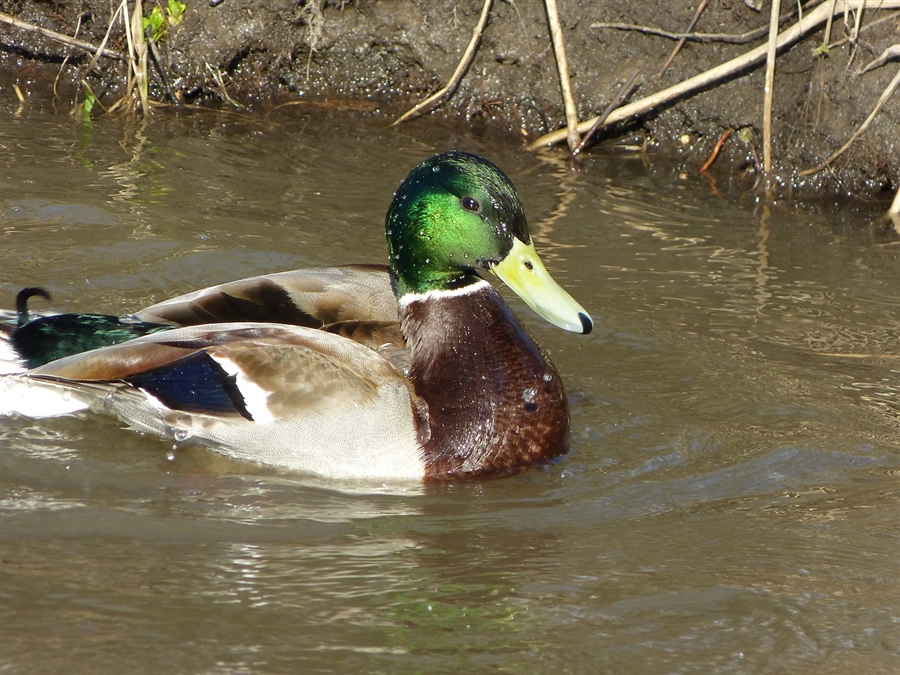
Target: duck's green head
(457, 213)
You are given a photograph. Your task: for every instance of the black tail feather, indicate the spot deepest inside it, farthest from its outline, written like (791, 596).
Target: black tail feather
(22, 302)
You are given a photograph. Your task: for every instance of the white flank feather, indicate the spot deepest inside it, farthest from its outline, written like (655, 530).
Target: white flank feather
(21, 395)
(256, 399)
(10, 362)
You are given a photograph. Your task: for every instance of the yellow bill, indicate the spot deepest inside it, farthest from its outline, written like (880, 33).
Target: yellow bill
(523, 271)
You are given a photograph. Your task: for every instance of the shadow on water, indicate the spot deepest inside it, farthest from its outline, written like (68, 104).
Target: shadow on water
(729, 503)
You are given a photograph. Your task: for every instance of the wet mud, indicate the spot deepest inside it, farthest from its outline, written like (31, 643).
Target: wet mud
(385, 56)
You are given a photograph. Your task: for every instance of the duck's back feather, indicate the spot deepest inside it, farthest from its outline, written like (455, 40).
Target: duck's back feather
(310, 297)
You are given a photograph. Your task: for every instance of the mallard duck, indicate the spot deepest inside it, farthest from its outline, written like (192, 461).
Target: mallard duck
(470, 394)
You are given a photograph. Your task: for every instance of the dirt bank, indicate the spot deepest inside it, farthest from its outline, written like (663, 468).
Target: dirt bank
(392, 53)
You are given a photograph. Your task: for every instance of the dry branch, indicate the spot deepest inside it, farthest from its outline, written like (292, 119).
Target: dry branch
(137, 53)
(885, 95)
(715, 153)
(120, 11)
(754, 57)
(617, 99)
(562, 66)
(446, 92)
(732, 38)
(892, 53)
(681, 42)
(59, 37)
(769, 91)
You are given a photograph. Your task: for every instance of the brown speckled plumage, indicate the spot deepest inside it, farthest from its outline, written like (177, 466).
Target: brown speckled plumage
(310, 298)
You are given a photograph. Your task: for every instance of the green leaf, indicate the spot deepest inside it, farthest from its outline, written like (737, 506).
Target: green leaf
(156, 22)
(175, 11)
(88, 104)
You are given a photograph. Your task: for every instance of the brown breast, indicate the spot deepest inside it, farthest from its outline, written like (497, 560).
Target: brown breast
(495, 403)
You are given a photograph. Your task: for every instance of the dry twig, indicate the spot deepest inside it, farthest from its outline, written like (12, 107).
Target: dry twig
(446, 92)
(158, 66)
(892, 53)
(562, 66)
(731, 38)
(854, 36)
(694, 19)
(728, 38)
(119, 10)
(827, 37)
(715, 153)
(885, 95)
(624, 90)
(220, 83)
(821, 52)
(139, 56)
(769, 91)
(754, 57)
(59, 37)
(137, 60)
(62, 65)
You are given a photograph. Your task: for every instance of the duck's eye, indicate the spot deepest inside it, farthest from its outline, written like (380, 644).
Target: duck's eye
(470, 204)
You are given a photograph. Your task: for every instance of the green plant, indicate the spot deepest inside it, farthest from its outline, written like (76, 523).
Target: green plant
(160, 19)
(88, 104)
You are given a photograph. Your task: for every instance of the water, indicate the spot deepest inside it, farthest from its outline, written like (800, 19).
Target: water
(730, 503)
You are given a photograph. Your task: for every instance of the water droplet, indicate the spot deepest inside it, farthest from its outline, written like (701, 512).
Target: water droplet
(436, 169)
(66, 395)
(529, 394)
(181, 435)
(421, 233)
(547, 377)
(427, 261)
(170, 455)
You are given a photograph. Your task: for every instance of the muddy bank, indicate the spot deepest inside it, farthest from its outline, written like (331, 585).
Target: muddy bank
(389, 55)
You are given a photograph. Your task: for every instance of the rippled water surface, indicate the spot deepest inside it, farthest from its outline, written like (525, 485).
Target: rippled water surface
(730, 503)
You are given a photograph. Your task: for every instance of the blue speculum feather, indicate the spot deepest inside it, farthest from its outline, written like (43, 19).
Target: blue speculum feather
(195, 384)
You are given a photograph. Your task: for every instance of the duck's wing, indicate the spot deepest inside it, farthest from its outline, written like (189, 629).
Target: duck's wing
(355, 301)
(310, 297)
(287, 396)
